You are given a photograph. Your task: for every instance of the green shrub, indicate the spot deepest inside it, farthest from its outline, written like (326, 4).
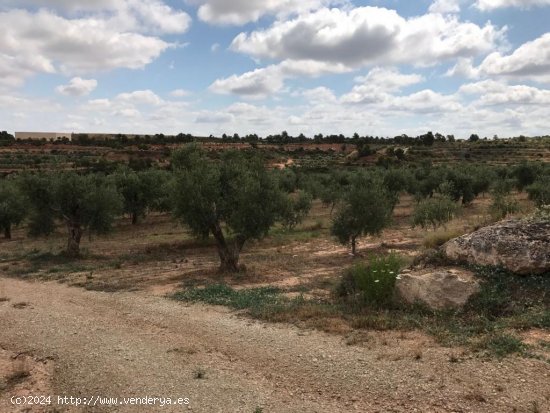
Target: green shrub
(539, 193)
(295, 208)
(372, 283)
(502, 206)
(434, 212)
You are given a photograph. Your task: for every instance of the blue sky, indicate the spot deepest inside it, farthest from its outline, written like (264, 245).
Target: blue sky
(380, 67)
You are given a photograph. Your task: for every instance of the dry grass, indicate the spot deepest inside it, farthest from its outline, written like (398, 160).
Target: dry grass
(440, 237)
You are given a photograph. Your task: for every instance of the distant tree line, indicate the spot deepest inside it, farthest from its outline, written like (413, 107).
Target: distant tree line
(284, 138)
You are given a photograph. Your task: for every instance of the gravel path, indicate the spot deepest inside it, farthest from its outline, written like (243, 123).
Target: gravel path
(136, 344)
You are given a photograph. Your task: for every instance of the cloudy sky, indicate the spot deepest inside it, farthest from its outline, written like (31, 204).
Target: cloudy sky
(379, 67)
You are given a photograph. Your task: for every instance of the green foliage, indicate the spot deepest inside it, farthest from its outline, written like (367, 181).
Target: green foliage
(371, 283)
(142, 191)
(236, 195)
(364, 150)
(366, 210)
(462, 186)
(295, 208)
(502, 206)
(397, 180)
(287, 180)
(539, 192)
(332, 187)
(525, 174)
(434, 212)
(82, 202)
(505, 295)
(13, 206)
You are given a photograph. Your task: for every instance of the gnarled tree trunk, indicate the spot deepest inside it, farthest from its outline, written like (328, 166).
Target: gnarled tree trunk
(228, 251)
(135, 218)
(73, 241)
(354, 245)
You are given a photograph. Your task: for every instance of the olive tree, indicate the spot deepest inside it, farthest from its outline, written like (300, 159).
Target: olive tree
(141, 191)
(366, 209)
(434, 212)
(12, 206)
(295, 209)
(81, 202)
(234, 199)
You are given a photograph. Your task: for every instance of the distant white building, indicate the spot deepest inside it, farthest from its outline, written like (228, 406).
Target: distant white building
(42, 135)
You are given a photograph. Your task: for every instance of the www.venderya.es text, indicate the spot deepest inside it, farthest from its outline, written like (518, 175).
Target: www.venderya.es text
(99, 401)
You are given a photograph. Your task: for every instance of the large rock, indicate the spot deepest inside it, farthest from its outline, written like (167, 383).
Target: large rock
(522, 246)
(438, 288)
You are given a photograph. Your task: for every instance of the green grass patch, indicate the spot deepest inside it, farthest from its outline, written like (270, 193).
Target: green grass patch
(221, 294)
(501, 345)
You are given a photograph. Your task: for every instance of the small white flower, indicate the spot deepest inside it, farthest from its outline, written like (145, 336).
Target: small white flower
(376, 281)
(391, 272)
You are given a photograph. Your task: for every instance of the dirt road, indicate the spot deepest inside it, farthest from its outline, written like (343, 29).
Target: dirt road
(136, 344)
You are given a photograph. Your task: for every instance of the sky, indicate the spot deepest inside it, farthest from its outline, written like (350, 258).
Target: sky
(379, 67)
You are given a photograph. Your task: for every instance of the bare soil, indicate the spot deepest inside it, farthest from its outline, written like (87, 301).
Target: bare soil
(135, 344)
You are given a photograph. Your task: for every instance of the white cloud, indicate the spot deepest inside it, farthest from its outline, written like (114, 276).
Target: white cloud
(140, 97)
(257, 83)
(127, 112)
(72, 5)
(426, 101)
(78, 87)
(238, 12)
(266, 81)
(369, 35)
(179, 93)
(389, 79)
(43, 42)
(213, 117)
(146, 16)
(529, 61)
(487, 5)
(445, 6)
(375, 86)
(319, 94)
(215, 47)
(464, 68)
(491, 92)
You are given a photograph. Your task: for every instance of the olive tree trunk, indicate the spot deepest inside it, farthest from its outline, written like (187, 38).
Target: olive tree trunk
(73, 241)
(228, 252)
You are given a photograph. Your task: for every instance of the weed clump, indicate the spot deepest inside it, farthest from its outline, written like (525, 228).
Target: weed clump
(371, 284)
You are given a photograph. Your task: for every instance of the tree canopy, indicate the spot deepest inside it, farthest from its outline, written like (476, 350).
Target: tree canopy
(234, 200)
(82, 202)
(366, 209)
